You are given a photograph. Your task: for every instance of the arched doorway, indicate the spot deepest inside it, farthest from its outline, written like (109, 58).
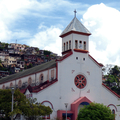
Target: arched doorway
(81, 105)
(77, 104)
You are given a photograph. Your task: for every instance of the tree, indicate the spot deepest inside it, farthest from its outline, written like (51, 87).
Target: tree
(95, 111)
(111, 79)
(115, 70)
(36, 110)
(30, 65)
(22, 105)
(46, 52)
(112, 74)
(106, 69)
(5, 103)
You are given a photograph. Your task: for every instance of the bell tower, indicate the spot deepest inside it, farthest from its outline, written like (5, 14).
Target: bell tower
(75, 36)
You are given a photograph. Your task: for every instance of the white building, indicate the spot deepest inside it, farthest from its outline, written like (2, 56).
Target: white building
(75, 78)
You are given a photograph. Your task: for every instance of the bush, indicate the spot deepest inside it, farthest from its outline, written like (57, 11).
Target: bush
(95, 111)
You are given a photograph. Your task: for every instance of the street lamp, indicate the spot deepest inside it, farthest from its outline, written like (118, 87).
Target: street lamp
(66, 104)
(12, 90)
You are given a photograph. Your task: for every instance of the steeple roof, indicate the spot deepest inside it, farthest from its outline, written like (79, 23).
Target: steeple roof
(75, 26)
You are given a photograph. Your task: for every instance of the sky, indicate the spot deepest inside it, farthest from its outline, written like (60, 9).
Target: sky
(39, 23)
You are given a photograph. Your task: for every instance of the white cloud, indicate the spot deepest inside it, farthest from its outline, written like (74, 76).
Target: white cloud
(47, 39)
(101, 20)
(104, 24)
(14, 11)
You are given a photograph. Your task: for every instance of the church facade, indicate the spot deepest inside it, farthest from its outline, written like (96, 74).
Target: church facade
(69, 82)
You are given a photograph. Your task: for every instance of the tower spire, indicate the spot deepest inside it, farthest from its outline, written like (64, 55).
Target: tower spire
(75, 12)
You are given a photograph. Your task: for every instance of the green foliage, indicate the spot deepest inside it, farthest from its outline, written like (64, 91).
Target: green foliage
(116, 89)
(95, 111)
(115, 70)
(46, 52)
(113, 75)
(25, 67)
(111, 79)
(30, 65)
(36, 110)
(28, 108)
(37, 49)
(5, 102)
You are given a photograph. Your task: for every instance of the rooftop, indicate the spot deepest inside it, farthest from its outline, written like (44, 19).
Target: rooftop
(76, 26)
(30, 71)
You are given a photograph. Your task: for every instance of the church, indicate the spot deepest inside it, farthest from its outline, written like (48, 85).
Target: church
(67, 83)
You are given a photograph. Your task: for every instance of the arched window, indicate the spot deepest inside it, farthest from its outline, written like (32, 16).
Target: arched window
(41, 78)
(11, 84)
(113, 111)
(76, 44)
(29, 81)
(84, 45)
(80, 45)
(3, 87)
(70, 44)
(66, 45)
(52, 74)
(20, 83)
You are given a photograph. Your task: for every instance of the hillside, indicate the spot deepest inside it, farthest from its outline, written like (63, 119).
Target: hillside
(17, 57)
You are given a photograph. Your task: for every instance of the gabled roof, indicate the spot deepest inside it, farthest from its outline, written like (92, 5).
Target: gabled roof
(68, 53)
(30, 71)
(75, 26)
(101, 65)
(39, 88)
(111, 90)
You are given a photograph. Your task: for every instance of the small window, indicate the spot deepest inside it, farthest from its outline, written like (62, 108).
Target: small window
(52, 74)
(3, 87)
(76, 44)
(83, 59)
(76, 58)
(84, 45)
(20, 83)
(113, 111)
(29, 81)
(11, 84)
(80, 45)
(41, 78)
(69, 44)
(66, 45)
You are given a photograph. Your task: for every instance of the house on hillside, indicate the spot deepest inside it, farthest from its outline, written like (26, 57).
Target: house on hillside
(75, 79)
(16, 46)
(3, 55)
(30, 51)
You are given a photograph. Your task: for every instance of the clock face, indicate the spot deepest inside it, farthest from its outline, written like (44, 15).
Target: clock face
(80, 81)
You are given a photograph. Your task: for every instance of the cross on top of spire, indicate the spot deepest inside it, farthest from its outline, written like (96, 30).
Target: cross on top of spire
(75, 12)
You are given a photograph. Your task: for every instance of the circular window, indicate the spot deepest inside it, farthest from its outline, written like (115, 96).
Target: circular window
(80, 81)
